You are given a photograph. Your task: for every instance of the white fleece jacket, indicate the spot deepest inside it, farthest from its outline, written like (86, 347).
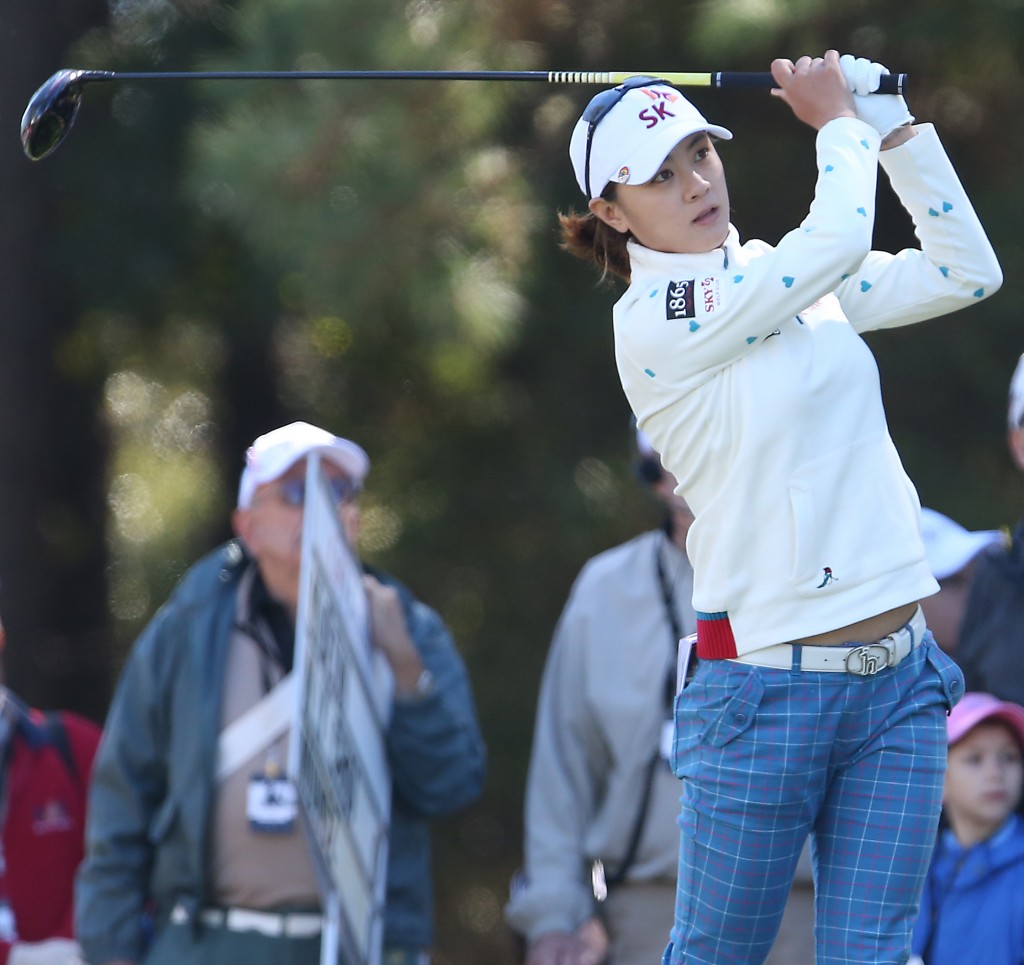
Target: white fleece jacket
(746, 368)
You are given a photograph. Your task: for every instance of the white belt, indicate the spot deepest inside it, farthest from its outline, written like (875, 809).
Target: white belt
(285, 924)
(862, 659)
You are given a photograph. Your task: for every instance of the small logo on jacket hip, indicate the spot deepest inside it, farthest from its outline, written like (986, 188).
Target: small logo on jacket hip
(827, 577)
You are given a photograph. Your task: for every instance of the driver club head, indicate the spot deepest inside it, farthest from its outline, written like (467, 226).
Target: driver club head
(51, 112)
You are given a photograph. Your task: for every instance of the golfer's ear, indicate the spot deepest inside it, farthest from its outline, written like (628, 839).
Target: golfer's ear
(610, 213)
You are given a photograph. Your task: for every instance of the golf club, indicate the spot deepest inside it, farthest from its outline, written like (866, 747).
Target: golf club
(54, 106)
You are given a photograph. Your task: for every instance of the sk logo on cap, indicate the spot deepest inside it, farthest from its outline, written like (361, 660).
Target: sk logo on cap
(658, 111)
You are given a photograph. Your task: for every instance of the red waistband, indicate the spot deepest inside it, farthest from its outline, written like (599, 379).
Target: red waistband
(714, 637)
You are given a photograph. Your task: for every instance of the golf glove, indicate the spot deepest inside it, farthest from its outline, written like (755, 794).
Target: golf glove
(884, 112)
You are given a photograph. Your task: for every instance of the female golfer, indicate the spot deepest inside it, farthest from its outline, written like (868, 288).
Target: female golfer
(818, 705)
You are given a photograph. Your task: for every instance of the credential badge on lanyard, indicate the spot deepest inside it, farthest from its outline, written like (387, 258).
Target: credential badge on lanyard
(271, 801)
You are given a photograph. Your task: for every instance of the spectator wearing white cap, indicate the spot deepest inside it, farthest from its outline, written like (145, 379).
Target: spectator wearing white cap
(971, 910)
(991, 651)
(169, 826)
(951, 551)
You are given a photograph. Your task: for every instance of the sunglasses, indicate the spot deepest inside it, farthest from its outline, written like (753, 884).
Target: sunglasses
(293, 491)
(599, 107)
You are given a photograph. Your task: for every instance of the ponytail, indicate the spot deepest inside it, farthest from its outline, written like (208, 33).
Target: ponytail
(586, 236)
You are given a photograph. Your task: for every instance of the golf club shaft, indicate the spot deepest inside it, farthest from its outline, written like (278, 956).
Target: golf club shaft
(889, 84)
(54, 106)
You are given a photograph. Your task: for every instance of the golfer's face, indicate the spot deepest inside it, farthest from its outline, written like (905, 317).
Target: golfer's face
(684, 208)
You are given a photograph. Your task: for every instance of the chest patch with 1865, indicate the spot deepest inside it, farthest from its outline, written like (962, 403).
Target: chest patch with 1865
(679, 300)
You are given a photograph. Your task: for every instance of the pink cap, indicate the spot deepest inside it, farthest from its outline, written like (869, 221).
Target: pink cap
(977, 707)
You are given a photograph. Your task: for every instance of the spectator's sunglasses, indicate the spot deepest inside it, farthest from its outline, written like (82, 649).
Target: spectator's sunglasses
(293, 491)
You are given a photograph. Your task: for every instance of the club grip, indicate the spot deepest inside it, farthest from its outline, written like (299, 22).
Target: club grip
(887, 83)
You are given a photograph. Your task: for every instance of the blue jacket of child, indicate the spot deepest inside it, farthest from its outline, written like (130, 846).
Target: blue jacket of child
(972, 911)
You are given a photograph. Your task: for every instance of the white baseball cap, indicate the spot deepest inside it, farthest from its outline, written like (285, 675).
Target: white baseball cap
(275, 452)
(1015, 414)
(948, 546)
(630, 141)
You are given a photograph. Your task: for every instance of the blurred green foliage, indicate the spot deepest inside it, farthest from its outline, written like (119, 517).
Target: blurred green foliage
(380, 258)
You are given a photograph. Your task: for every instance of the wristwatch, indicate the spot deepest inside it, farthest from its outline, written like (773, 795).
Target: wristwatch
(425, 684)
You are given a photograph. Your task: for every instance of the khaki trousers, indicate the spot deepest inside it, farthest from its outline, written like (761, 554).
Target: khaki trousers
(638, 917)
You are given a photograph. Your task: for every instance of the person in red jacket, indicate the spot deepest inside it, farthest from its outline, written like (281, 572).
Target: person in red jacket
(45, 762)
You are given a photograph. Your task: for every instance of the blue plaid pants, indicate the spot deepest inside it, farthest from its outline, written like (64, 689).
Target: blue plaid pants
(768, 757)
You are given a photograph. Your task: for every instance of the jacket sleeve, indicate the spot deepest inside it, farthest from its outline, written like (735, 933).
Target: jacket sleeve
(769, 285)
(128, 785)
(562, 791)
(955, 265)
(434, 745)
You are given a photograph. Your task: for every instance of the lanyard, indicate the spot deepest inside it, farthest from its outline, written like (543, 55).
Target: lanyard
(668, 597)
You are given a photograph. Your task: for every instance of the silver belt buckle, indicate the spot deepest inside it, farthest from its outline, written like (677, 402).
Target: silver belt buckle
(871, 658)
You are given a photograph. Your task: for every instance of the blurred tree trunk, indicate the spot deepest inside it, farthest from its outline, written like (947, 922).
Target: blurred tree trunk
(52, 453)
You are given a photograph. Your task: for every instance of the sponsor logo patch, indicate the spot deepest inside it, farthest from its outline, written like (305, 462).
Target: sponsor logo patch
(679, 302)
(659, 110)
(711, 296)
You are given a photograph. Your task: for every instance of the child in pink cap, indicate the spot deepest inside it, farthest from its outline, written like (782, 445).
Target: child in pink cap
(972, 910)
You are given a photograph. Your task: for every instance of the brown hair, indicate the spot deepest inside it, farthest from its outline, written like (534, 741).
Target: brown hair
(586, 236)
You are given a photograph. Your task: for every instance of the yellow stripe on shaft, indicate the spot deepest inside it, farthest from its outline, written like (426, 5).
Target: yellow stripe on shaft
(673, 77)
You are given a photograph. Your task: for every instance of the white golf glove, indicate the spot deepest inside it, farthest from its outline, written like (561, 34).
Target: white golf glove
(884, 112)
(53, 951)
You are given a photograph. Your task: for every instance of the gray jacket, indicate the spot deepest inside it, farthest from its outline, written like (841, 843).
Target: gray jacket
(147, 836)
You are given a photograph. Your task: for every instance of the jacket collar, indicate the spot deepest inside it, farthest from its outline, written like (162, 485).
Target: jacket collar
(646, 262)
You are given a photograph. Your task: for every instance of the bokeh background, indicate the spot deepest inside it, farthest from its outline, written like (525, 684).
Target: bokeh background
(201, 262)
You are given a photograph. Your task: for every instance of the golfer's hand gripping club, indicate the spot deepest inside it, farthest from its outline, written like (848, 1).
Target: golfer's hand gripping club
(884, 112)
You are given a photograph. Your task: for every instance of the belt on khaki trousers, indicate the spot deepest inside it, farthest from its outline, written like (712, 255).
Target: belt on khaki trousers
(274, 924)
(862, 659)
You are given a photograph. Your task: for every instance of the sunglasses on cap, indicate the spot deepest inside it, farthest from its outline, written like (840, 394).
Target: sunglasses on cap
(599, 107)
(293, 491)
